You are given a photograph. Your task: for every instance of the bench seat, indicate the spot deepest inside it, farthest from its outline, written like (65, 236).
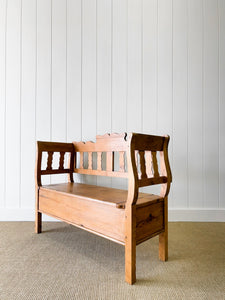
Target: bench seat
(110, 196)
(101, 209)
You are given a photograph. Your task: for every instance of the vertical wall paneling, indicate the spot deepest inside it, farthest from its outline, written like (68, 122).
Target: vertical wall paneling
(165, 79)
(44, 73)
(44, 90)
(59, 94)
(28, 90)
(104, 63)
(59, 76)
(134, 68)
(149, 71)
(74, 55)
(195, 103)
(150, 22)
(119, 72)
(221, 9)
(180, 94)
(73, 70)
(89, 73)
(119, 65)
(3, 13)
(165, 75)
(89, 69)
(13, 93)
(211, 108)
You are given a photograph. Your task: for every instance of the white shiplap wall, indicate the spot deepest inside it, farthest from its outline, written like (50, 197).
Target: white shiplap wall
(71, 69)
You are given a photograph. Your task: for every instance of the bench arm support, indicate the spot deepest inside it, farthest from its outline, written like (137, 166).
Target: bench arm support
(50, 148)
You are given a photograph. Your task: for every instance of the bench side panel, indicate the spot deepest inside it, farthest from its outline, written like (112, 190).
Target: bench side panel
(151, 160)
(50, 148)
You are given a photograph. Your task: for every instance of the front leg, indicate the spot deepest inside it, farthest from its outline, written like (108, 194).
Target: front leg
(130, 245)
(163, 237)
(163, 246)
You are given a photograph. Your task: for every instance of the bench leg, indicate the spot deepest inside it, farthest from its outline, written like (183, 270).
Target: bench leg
(163, 246)
(38, 222)
(163, 237)
(130, 245)
(130, 264)
(38, 215)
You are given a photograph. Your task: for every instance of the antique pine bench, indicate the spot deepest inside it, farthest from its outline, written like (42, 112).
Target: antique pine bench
(126, 217)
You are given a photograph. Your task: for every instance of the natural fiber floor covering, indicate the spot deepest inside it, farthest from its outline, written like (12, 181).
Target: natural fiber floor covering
(68, 263)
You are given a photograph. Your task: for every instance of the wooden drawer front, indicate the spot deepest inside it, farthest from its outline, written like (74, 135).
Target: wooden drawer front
(149, 221)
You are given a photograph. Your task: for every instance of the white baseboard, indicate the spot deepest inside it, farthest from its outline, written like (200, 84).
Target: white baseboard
(197, 215)
(175, 215)
(20, 214)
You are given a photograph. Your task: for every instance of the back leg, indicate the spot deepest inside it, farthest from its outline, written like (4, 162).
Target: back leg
(38, 222)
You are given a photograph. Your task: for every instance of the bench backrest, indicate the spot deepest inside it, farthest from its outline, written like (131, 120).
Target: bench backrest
(143, 155)
(105, 151)
(136, 159)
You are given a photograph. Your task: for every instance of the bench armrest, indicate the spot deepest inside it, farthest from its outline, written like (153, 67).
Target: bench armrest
(143, 167)
(50, 148)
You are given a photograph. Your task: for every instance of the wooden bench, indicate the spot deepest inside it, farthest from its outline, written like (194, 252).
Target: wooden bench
(126, 217)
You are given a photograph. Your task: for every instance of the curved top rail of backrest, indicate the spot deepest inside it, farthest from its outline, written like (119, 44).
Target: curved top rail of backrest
(108, 144)
(145, 142)
(104, 143)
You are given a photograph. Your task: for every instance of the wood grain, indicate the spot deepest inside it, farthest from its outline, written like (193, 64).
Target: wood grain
(81, 160)
(101, 173)
(149, 220)
(163, 237)
(96, 215)
(110, 161)
(90, 160)
(165, 168)
(130, 215)
(55, 146)
(144, 142)
(61, 160)
(49, 162)
(121, 161)
(148, 159)
(99, 161)
(142, 164)
(155, 164)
